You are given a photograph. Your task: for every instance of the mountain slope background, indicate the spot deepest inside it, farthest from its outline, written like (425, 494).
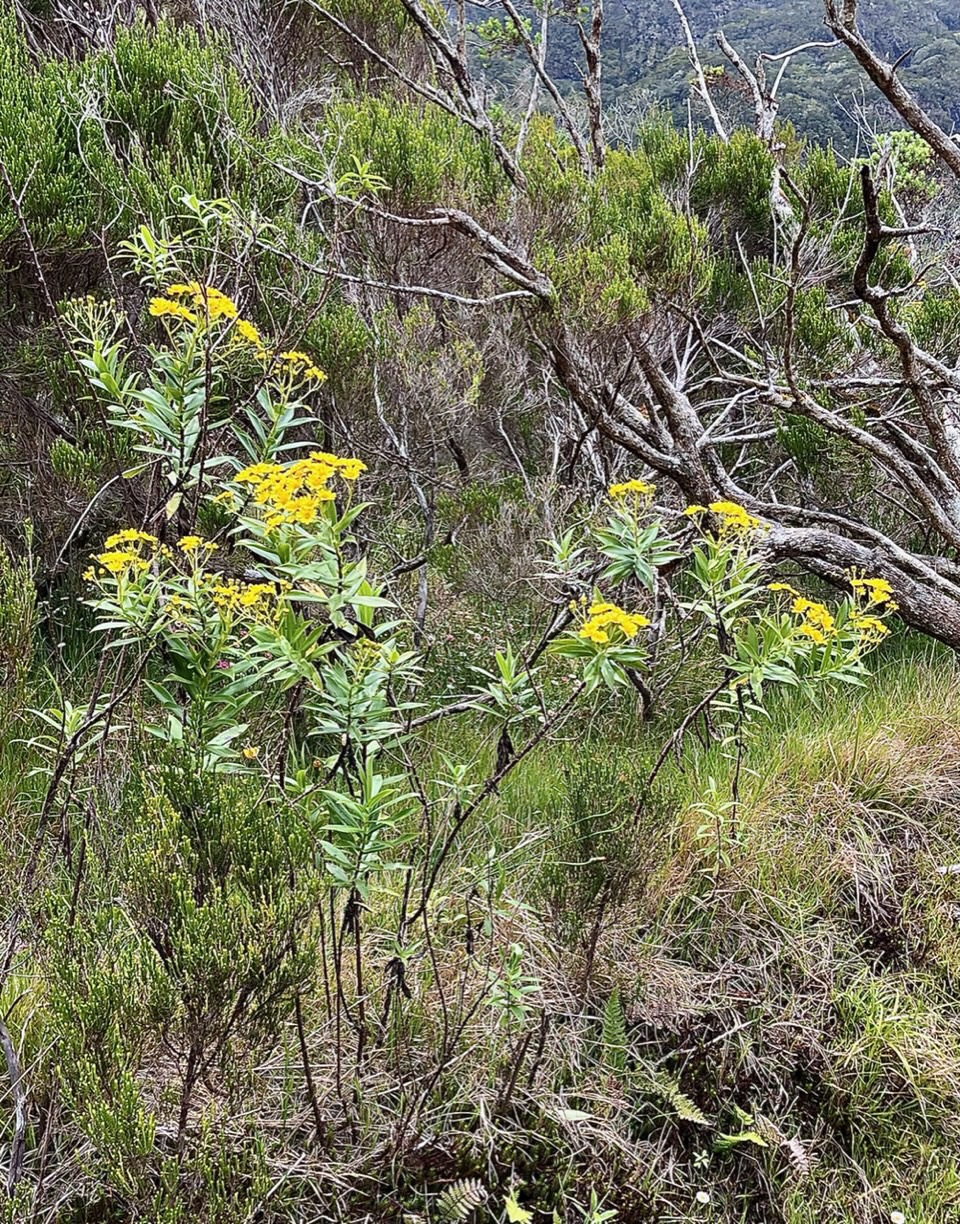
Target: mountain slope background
(645, 61)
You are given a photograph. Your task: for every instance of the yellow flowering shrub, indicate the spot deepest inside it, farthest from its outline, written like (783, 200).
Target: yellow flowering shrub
(205, 306)
(858, 623)
(606, 622)
(731, 517)
(294, 493)
(603, 637)
(640, 489)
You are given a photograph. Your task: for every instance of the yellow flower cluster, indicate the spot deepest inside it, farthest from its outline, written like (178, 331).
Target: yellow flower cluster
(734, 519)
(348, 469)
(293, 493)
(872, 590)
(129, 536)
(194, 544)
(207, 301)
(302, 365)
(869, 628)
(162, 308)
(604, 617)
(122, 553)
(246, 331)
(117, 561)
(297, 364)
(818, 623)
(258, 599)
(638, 488)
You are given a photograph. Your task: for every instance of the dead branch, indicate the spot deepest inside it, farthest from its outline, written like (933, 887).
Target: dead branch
(694, 57)
(15, 1075)
(842, 21)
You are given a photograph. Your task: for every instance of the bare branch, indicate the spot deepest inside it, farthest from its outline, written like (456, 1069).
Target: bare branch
(694, 58)
(807, 46)
(842, 22)
(591, 80)
(539, 67)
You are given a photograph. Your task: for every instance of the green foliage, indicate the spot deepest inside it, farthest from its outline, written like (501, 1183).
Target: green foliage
(381, 16)
(498, 37)
(331, 910)
(631, 241)
(360, 832)
(734, 181)
(122, 135)
(461, 1199)
(512, 989)
(423, 154)
(18, 630)
(614, 1034)
(635, 550)
(668, 1090)
(205, 876)
(588, 803)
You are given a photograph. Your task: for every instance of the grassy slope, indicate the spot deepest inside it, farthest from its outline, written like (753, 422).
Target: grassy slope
(794, 959)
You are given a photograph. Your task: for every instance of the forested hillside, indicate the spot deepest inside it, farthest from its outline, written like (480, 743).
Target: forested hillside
(479, 602)
(645, 62)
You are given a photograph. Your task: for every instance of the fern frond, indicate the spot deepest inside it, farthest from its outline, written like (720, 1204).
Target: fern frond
(461, 1199)
(668, 1089)
(614, 1035)
(797, 1154)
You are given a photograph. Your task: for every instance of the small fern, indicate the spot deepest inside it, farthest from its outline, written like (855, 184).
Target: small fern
(614, 1035)
(794, 1149)
(668, 1089)
(461, 1199)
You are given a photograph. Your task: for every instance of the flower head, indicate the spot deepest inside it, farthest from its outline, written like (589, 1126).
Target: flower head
(301, 365)
(639, 488)
(873, 590)
(246, 331)
(870, 628)
(217, 304)
(118, 561)
(814, 613)
(129, 536)
(206, 299)
(193, 543)
(733, 517)
(811, 631)
(604, 617)
(162, 308)
(294, 492)
(350, 469)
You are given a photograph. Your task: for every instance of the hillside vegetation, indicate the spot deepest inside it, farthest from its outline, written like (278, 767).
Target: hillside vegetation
(645, 62)
(479, 604)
